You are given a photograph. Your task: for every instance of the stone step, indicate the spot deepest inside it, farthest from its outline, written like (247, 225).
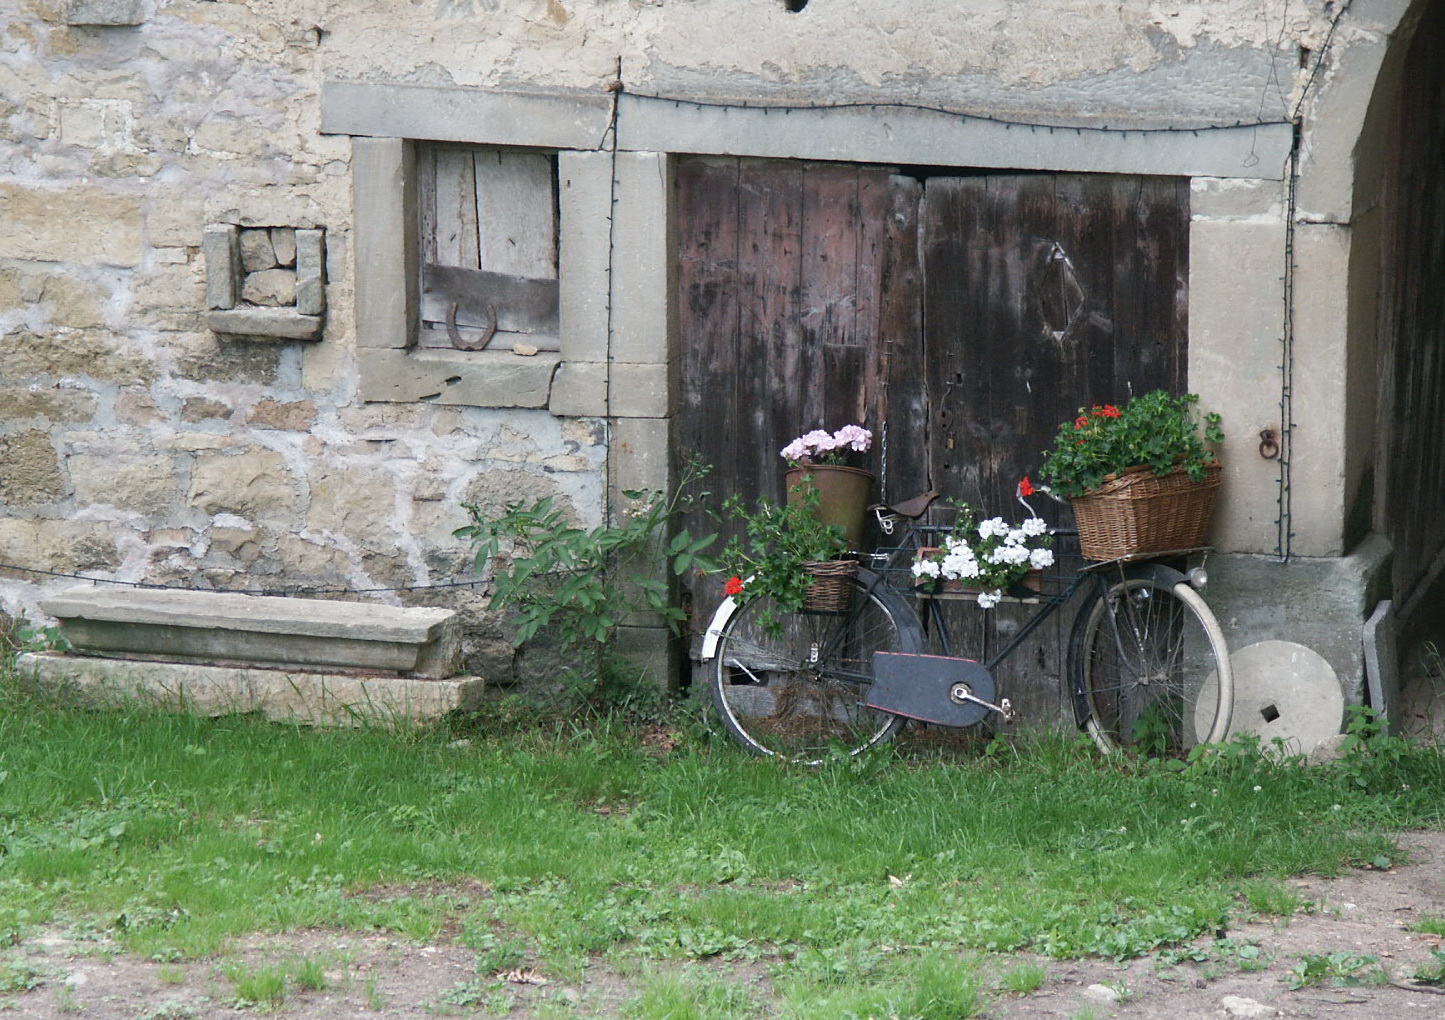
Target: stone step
(309, 698)
(176, 625)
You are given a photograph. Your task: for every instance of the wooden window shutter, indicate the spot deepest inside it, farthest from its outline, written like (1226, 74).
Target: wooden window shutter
(489, 246)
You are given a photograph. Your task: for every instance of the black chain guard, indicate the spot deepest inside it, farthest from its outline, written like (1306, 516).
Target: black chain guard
(926, 687)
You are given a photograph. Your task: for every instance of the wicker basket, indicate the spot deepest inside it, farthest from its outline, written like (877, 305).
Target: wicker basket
(831, 590)
(1138, 512)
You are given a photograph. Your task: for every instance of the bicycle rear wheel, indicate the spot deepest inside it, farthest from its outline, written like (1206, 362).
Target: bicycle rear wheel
(792, 685)
(1150, 667)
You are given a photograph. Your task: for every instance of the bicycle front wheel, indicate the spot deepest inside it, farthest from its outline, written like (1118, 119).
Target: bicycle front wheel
(1151, 667)
(792, 685)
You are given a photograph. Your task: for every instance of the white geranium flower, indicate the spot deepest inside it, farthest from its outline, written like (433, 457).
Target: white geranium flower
(926, 568)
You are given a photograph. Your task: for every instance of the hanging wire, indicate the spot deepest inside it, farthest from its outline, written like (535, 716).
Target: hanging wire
(615, 88)
(1284, 523)
(717, 104)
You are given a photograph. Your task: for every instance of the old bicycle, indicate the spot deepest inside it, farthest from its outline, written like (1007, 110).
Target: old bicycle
(1147, 666)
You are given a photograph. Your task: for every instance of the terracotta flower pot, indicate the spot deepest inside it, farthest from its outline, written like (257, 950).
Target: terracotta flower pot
(843, 496)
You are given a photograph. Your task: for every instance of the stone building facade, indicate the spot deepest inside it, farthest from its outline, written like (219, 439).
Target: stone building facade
(221, 364)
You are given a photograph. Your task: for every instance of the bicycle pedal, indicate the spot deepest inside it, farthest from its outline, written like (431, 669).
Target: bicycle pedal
(1006, 709)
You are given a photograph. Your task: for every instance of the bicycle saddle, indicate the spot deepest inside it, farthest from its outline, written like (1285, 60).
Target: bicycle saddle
(910, 508)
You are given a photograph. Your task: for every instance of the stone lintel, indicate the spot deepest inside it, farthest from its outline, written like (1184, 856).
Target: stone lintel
(880, 133)
(219, 627)
(551, 120)
(292, 696)
(887, 134)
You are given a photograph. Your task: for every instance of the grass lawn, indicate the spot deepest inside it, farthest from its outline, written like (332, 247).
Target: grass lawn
(866, 886)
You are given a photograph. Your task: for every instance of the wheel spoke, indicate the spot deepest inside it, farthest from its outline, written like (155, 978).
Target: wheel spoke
(1151, 668)
(793, 684)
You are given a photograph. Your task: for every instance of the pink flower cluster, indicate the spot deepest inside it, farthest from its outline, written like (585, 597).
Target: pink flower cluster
(820, 445)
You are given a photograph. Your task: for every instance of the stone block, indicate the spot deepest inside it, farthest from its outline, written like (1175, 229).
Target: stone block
(585, 199)
(310, 258)
(295, 416)
(653, 652)
(643, 390)
(257, 251)
(221, 249)
(134, 407)
(74, 302)
(311, 698)
(283, 243)
(196, 409)
(240, 544)
(94, 354)
(82, 223)
(171, 219)
(105, 13)
(1213, 198)
(1321, 603)
(224, 357)
(141, 483)
(314, 560)
(30, 469)
(64, 546)
(579, 389)
(641, 454)
(270, 288)
(557, 120)
(181, 625)
(387, 274)
(356, 502)
(642, 261)
(266, 323)
(21, 403)
(253, 484)
(484, 379)
(1236, 295)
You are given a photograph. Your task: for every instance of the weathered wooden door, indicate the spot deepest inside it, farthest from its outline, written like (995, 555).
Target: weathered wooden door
(959, 317)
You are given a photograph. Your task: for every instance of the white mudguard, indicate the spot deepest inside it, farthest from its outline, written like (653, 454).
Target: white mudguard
(715, 625)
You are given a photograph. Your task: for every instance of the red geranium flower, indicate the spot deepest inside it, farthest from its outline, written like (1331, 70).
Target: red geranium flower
(1026, 487)
(734, 586)
(1110, 411)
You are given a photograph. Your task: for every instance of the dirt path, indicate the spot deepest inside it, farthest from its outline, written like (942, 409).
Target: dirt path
(1361, 914)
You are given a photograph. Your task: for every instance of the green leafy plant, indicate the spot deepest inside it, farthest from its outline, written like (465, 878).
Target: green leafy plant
(1341, 968)
(582, 583)
(778, 538)
(1156, 430)
(1371, 758)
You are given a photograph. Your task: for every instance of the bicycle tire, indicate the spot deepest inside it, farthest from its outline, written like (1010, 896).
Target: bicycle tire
(796, 691)
(1150, 667)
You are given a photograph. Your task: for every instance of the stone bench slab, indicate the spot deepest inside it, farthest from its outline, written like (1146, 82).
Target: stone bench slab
(264, 630)
(315, 699)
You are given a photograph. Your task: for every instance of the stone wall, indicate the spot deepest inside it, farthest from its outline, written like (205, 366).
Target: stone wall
(138, 443)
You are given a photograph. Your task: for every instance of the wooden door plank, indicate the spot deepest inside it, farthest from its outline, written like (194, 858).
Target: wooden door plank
(770, 386)
(902, 396)
(707, 193)
(426, 201)
(456, 208)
